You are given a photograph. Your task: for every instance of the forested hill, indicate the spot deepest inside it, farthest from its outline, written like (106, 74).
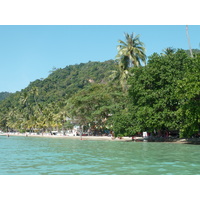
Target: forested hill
(4, 95)
(63, 83)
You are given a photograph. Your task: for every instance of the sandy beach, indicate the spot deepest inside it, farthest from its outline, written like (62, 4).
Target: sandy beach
(105, 138)
(68, 137)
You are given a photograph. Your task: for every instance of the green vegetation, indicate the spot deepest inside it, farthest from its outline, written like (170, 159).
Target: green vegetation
(130, 54)
(122, 95)
(41, 106)
(164, 96)
(194, 51)
(4, 95)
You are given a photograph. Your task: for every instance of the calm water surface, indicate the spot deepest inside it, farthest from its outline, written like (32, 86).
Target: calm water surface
(32, 156)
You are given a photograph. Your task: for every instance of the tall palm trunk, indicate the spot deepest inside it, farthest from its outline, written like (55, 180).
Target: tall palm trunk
(188, 37)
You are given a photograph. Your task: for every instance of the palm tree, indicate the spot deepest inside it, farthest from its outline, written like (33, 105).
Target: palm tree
(121, 73)
(25, 112)
(35, 93)
(24, 97)
(169, 51)
(130, 54)
(188, 37)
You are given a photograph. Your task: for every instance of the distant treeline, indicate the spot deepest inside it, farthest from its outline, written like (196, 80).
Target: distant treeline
(4, 95)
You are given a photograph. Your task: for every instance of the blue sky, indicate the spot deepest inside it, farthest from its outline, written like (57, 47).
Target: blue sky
(28, 53)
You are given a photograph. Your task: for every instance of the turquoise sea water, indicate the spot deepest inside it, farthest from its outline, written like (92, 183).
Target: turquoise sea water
(51, 156)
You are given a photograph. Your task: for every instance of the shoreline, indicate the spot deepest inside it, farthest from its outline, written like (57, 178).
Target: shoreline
(106, 138)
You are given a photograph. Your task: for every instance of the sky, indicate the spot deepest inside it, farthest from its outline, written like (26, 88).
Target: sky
(29, 52)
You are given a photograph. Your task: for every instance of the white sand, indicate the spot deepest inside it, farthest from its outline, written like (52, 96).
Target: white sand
(69, 137)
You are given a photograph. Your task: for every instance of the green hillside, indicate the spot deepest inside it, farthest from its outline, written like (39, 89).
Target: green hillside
(62, 83)
(46, 98)
(4, 95)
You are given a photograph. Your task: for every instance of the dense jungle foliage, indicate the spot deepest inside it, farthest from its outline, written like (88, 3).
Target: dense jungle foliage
(121, 95)
(4, 95)
(42, 105)
(163, 96)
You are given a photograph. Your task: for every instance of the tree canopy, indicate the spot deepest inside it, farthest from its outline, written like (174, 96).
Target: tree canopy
(164, 95)
(4, 95)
